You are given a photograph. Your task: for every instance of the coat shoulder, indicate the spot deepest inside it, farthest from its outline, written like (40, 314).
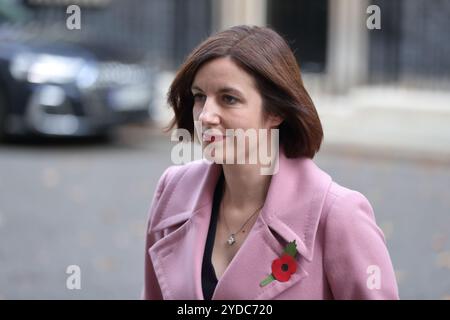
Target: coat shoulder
(174, 191)
(353, 245)
(345, 208)
(342, 197)
(174, 174)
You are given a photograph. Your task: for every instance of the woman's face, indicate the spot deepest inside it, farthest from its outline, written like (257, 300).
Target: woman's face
(226, 97)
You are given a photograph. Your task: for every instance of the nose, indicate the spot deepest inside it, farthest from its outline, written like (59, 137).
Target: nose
(209, 114)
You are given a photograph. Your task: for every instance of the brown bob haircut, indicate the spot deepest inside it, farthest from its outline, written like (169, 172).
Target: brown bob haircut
(266, 56)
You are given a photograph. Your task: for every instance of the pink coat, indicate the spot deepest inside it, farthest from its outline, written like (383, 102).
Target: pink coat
(341, 251)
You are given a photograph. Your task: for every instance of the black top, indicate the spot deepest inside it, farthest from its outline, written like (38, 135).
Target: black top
(209, 279)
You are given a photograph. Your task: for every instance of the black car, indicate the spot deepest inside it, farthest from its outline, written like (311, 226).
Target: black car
(57, 88)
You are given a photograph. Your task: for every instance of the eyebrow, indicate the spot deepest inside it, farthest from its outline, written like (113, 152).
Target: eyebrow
(222, 90)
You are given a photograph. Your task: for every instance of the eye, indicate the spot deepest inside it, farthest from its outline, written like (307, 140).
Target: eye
(229, 99)
(198, 97)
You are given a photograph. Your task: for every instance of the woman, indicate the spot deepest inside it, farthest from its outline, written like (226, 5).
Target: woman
(222, 229)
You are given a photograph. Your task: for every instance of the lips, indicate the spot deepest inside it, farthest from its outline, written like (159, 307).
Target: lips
(212, 137)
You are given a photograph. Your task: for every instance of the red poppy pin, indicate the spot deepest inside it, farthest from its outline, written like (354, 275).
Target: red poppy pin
(283, 267)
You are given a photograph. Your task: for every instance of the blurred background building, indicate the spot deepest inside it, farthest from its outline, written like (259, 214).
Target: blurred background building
(382, 95)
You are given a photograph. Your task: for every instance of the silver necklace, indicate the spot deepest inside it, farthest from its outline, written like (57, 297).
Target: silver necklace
(232, 237)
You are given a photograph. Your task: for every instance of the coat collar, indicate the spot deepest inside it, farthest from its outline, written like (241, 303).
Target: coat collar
(291, 212)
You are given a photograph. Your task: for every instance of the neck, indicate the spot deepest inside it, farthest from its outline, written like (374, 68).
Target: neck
(245, 187)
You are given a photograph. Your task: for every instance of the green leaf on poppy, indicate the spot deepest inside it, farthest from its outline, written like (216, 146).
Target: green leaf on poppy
(267, 280)
(291, 249)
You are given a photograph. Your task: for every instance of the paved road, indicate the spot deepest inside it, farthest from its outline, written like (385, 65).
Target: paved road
(85, 203)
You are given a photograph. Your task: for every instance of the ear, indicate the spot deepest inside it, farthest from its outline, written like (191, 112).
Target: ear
(274, 121)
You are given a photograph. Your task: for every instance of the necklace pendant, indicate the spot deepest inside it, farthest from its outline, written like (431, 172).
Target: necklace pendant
(231, 240)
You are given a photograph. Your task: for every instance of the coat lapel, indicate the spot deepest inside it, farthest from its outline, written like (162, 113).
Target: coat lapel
(291, 212)
(177, 257)
(251, 265)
